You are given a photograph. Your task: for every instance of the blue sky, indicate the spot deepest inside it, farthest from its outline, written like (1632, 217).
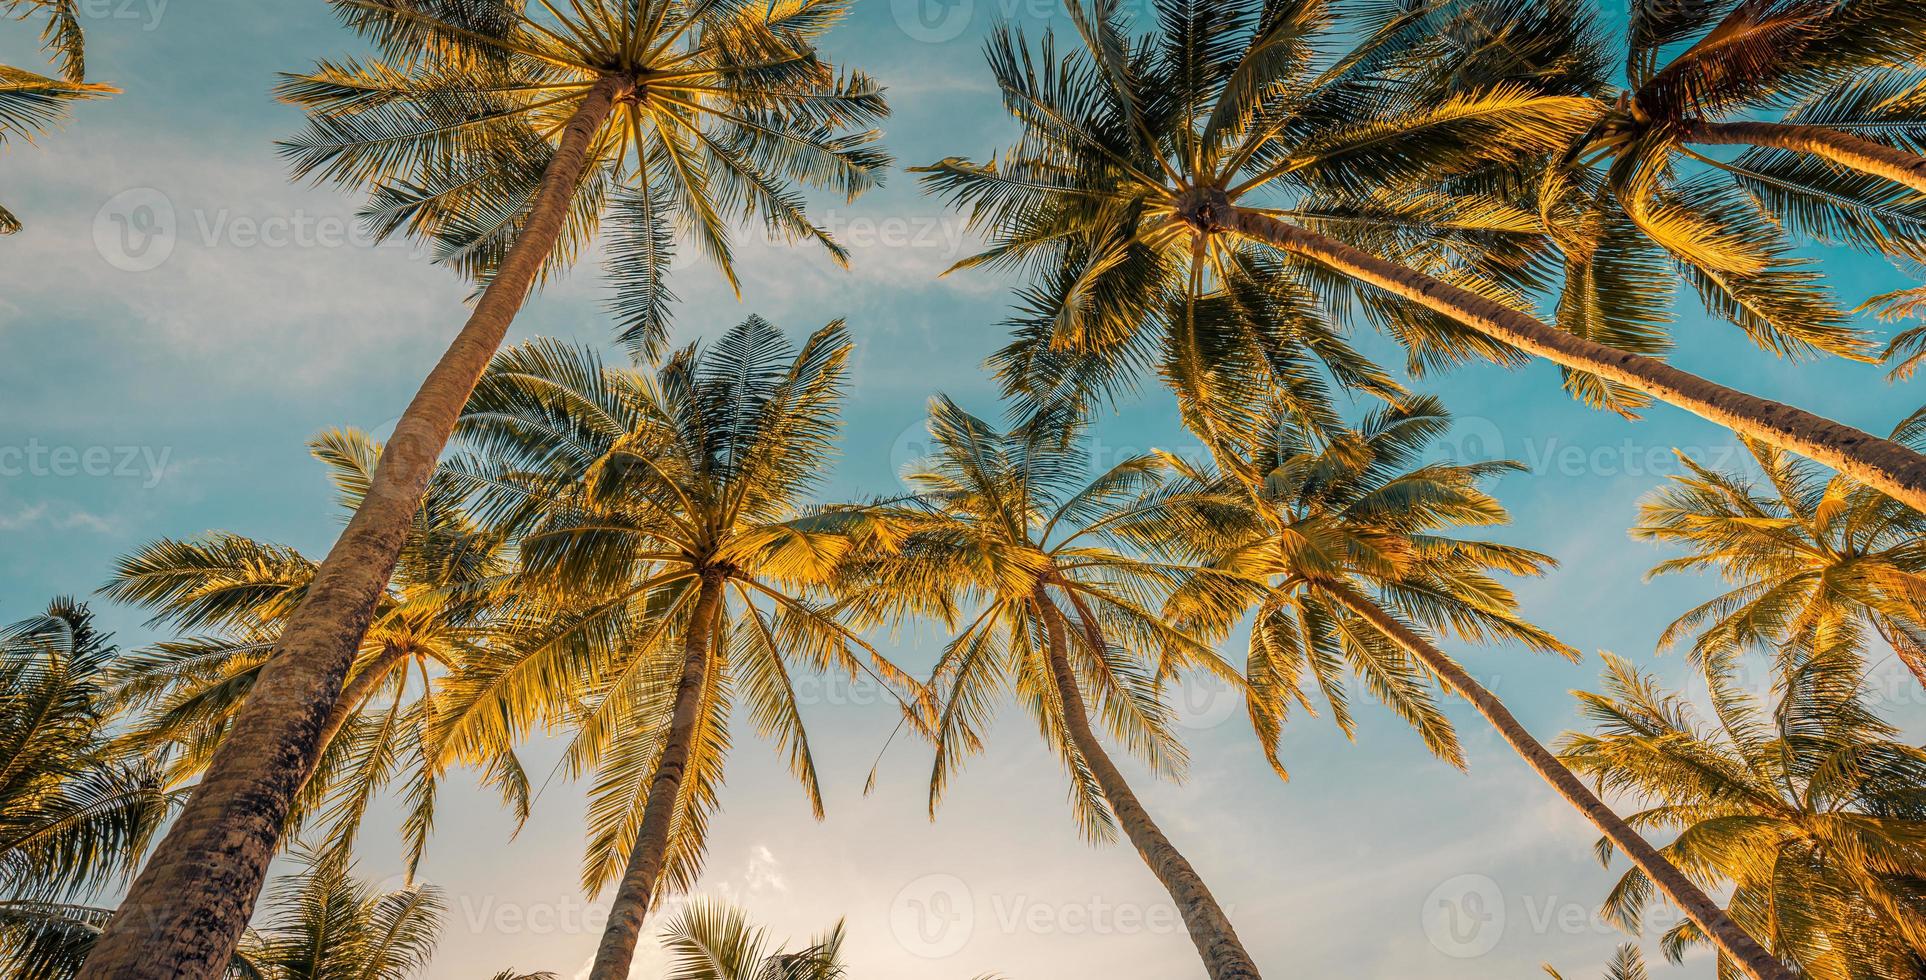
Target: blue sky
(178, 318)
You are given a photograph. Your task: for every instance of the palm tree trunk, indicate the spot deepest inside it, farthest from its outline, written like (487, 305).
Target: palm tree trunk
(637, 888)
(1210, 929)
(185, 912)
(1846, 150)
(1733, 942)
(1881, 463)
(358, 691)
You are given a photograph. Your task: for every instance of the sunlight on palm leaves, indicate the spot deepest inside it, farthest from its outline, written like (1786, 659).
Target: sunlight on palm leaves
(626, 492)
(1627, 964)
(1135, 148)
(722, 108)
(1308, 525)
(234, 594)
(323, 924)
(1009, 536)
(1804, 550)
(31, 103)
(713, 941)
(1809, 809)
(74, 816)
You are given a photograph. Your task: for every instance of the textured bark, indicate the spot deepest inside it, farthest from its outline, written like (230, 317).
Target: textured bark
(1845, 149)
(186, 910)
(1880, 463)
(636, 891)
(1732, 942)
(1210, 929)
(357, 692)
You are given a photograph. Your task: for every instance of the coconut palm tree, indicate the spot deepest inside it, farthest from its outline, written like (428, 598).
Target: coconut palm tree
(712, 941)
(32, 103)
(1627, 964)
(1804, 550)
(1009, 536)
(236, 595)
(1148, 165)
(503, 133)
(322, 923)
(74, 816)
(668, 565)
(1809, 809)
(1342, 544)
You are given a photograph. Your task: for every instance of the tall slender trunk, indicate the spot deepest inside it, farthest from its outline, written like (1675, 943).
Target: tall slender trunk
(1210, 929)
(1733, 942)
(1832, 145)
(357, 692)
(1881, 463)
(635, 892)
(185, 912)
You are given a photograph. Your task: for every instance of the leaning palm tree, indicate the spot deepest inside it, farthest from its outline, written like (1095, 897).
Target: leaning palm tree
(1808, 809)
(75, 816)
(235, 594)
(712, 941)
(1010, 536)
(1803, 551)
(32, 103)
(1341, 544)
(668, 565)
(503, 133)
(1155, 168)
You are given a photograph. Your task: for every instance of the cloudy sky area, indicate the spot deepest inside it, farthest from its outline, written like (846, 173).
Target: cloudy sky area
(167, 383)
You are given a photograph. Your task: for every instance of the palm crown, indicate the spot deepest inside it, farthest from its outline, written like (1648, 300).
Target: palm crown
(720, 108)
(31, 103)
(1806, 551)
(233, 594)
(1308, 527)
(1809, 809)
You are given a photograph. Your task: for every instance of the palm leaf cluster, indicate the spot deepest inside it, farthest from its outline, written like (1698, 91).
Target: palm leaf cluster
(1809, 808)
(32, 103)
(722, 110)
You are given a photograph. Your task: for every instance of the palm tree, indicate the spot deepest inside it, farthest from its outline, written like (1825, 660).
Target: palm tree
(711, 941)
(1810, 810)
(32, 103)
(1803, 551)
(1013, 523)
(74, 816)
(323, 924)
(237, 594)
(502, 133)
(1150, 165)
(1627, 964)
(1340, 541)
(668, 562)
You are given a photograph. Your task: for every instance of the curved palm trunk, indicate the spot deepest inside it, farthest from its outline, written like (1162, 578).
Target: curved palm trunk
(1831, 145)
(1881, 463)
(1733, 942)
(358, 691)
(1210, 929)
(637, 888)
(185, 912)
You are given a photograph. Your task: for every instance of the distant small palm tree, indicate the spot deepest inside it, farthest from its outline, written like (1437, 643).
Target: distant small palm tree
(504, 132)
(1188, 196)
(323, 924)
(1342, 543)
(75, 817)
(1809, 809)
(236, 594)
(1627, 964)
(713, 941)
(1010, 536)
(668, 562)
(31, 103)
(1803, 551)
